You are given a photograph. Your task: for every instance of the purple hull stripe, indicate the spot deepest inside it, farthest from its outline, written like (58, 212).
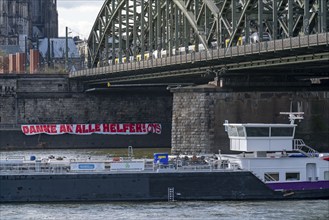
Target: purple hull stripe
(324, 184)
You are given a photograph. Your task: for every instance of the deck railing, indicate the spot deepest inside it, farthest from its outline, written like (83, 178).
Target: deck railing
(19, 165)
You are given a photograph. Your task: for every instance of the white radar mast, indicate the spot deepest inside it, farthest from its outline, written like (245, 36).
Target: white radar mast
(293, 116)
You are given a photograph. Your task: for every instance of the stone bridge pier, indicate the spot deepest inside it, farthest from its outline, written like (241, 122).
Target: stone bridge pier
(199, 113)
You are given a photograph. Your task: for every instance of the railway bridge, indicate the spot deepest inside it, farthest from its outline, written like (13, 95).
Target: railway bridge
(245, 42)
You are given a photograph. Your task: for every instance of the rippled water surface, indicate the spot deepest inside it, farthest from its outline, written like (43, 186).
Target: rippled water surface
(285, 210)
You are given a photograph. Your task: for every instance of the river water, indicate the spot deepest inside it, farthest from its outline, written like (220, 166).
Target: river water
(285, 210)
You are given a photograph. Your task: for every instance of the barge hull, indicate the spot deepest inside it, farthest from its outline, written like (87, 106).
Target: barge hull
(140, 187)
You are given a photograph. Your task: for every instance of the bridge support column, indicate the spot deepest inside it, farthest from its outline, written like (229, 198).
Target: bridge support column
(199, 113)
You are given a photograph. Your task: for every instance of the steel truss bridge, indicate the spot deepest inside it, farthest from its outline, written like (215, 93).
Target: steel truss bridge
(149, 41)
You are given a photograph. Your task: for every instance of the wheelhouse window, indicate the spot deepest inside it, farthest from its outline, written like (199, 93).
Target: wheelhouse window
(273, 176)
(241, 132)
(292, 176)
(258, 131)
(232, 131)
(236, 131)
(282, 132)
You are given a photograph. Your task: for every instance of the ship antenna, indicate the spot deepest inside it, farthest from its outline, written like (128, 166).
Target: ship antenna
(293, 116)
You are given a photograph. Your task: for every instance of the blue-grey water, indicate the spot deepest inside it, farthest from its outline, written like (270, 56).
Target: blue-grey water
(285, 210)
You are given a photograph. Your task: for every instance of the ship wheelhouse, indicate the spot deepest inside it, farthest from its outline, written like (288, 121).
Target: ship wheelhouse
(260, 137)
(267, 153)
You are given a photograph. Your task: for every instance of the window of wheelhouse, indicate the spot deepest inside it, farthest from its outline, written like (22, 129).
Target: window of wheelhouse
(272, 176)
(241, 132)
(232, 131)
(258, 131)
(236, 131)
(292, 176)
(282, 131)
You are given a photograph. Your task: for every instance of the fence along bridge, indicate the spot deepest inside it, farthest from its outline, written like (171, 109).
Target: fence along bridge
(191, 41)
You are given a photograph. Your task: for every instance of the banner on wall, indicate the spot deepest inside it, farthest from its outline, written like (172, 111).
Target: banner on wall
(87, 129)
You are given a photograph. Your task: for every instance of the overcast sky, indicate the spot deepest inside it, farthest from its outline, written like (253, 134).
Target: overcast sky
(78, 15)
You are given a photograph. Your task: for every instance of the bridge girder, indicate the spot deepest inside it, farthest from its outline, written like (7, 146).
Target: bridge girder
(125, 28)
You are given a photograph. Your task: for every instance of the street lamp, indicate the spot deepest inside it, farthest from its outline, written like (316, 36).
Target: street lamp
(66, 47)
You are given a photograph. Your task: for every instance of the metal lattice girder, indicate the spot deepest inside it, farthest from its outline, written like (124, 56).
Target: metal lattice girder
(127, 30)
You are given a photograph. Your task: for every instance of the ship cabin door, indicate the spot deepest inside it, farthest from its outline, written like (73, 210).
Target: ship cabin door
(311, 171)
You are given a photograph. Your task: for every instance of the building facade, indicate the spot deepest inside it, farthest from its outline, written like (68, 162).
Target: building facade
(27, 18)
(44, 18)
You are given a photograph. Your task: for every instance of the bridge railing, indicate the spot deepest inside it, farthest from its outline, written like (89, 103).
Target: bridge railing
(291, 43)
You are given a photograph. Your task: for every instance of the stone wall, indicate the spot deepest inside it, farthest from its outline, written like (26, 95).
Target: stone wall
(199, 114)
(8, 101)
(192, 117)
(192, 129)
(95, 108)
(58, 100)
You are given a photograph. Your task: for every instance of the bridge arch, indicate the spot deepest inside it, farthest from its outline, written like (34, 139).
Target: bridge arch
(127, 30)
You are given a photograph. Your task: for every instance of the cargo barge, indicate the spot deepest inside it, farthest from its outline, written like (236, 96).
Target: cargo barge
(272, 165)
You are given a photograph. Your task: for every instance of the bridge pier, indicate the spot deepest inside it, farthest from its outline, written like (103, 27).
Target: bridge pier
(199, 113)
